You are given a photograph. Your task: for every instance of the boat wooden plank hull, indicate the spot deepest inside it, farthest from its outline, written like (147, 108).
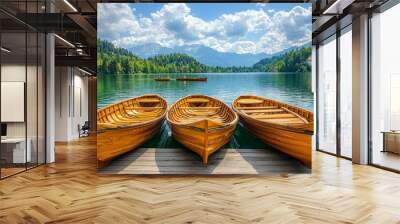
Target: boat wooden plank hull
(195, 139)
(124, 126)
(284, 127)
(202, 124)
(163, 79)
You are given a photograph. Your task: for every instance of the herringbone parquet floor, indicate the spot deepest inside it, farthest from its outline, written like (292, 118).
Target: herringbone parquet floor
(70, 191)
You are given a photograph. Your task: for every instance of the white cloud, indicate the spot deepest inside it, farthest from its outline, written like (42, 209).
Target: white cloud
(273, 42)
(244, 46)
(294, 23)
(244, 22)
(248, 31)
(115, 19)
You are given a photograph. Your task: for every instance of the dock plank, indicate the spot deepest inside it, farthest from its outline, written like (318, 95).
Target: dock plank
(177, 161)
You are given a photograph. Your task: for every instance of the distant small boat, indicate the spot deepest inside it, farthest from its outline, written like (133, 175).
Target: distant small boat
(287, 128)
(123, 126)
(162, 79)
(194, 79)
(202, 124)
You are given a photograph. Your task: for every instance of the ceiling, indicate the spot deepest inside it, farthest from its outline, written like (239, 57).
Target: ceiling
(75, 22)
(331, 15)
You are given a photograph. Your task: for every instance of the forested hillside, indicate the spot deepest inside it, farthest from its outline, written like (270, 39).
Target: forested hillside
(293, 61)
(114, 60)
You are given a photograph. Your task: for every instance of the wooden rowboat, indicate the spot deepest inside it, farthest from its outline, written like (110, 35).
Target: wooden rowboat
(200, 79)
(123, 126)
(285, 127)
(202, 124)
(162, 79)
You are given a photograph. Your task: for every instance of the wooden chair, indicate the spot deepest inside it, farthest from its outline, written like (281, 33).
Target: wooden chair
(84, 130)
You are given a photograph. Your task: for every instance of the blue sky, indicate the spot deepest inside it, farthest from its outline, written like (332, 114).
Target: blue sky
(225, 27)
(207, 12)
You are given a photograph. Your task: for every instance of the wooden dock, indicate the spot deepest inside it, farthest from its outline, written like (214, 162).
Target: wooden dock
(145, 161)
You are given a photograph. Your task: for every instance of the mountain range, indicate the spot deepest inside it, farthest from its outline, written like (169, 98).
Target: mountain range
(204, 55)
(116, 60)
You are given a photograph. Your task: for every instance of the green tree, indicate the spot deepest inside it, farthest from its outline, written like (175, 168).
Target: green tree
(114, 60)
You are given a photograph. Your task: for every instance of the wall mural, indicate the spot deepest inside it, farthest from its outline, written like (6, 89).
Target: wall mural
(204, 88)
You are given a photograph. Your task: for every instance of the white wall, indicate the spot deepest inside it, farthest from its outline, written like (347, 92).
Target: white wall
(33, 126)
(71, 102)
(12, 73)
(80, 110)
(61, 103)
(314, 90)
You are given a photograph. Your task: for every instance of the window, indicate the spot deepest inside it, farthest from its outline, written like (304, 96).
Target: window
(346, 92)
(385, 89)
(327, 96)
(22, 76)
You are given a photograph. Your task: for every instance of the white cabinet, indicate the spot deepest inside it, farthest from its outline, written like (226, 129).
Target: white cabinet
(17, 145)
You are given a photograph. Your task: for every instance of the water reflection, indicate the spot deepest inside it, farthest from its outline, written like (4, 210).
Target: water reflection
(294, 88)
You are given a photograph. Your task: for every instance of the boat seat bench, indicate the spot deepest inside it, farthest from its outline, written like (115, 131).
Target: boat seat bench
(196, 119)
(273, 116)
(257, 108)
(142, 108)
(197, 100)
(284, 120)
(148, 101)
(200, 108)
(249, 101)
(266, 111)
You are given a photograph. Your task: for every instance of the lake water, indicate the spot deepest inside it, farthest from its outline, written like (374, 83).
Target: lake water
(292, 88)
